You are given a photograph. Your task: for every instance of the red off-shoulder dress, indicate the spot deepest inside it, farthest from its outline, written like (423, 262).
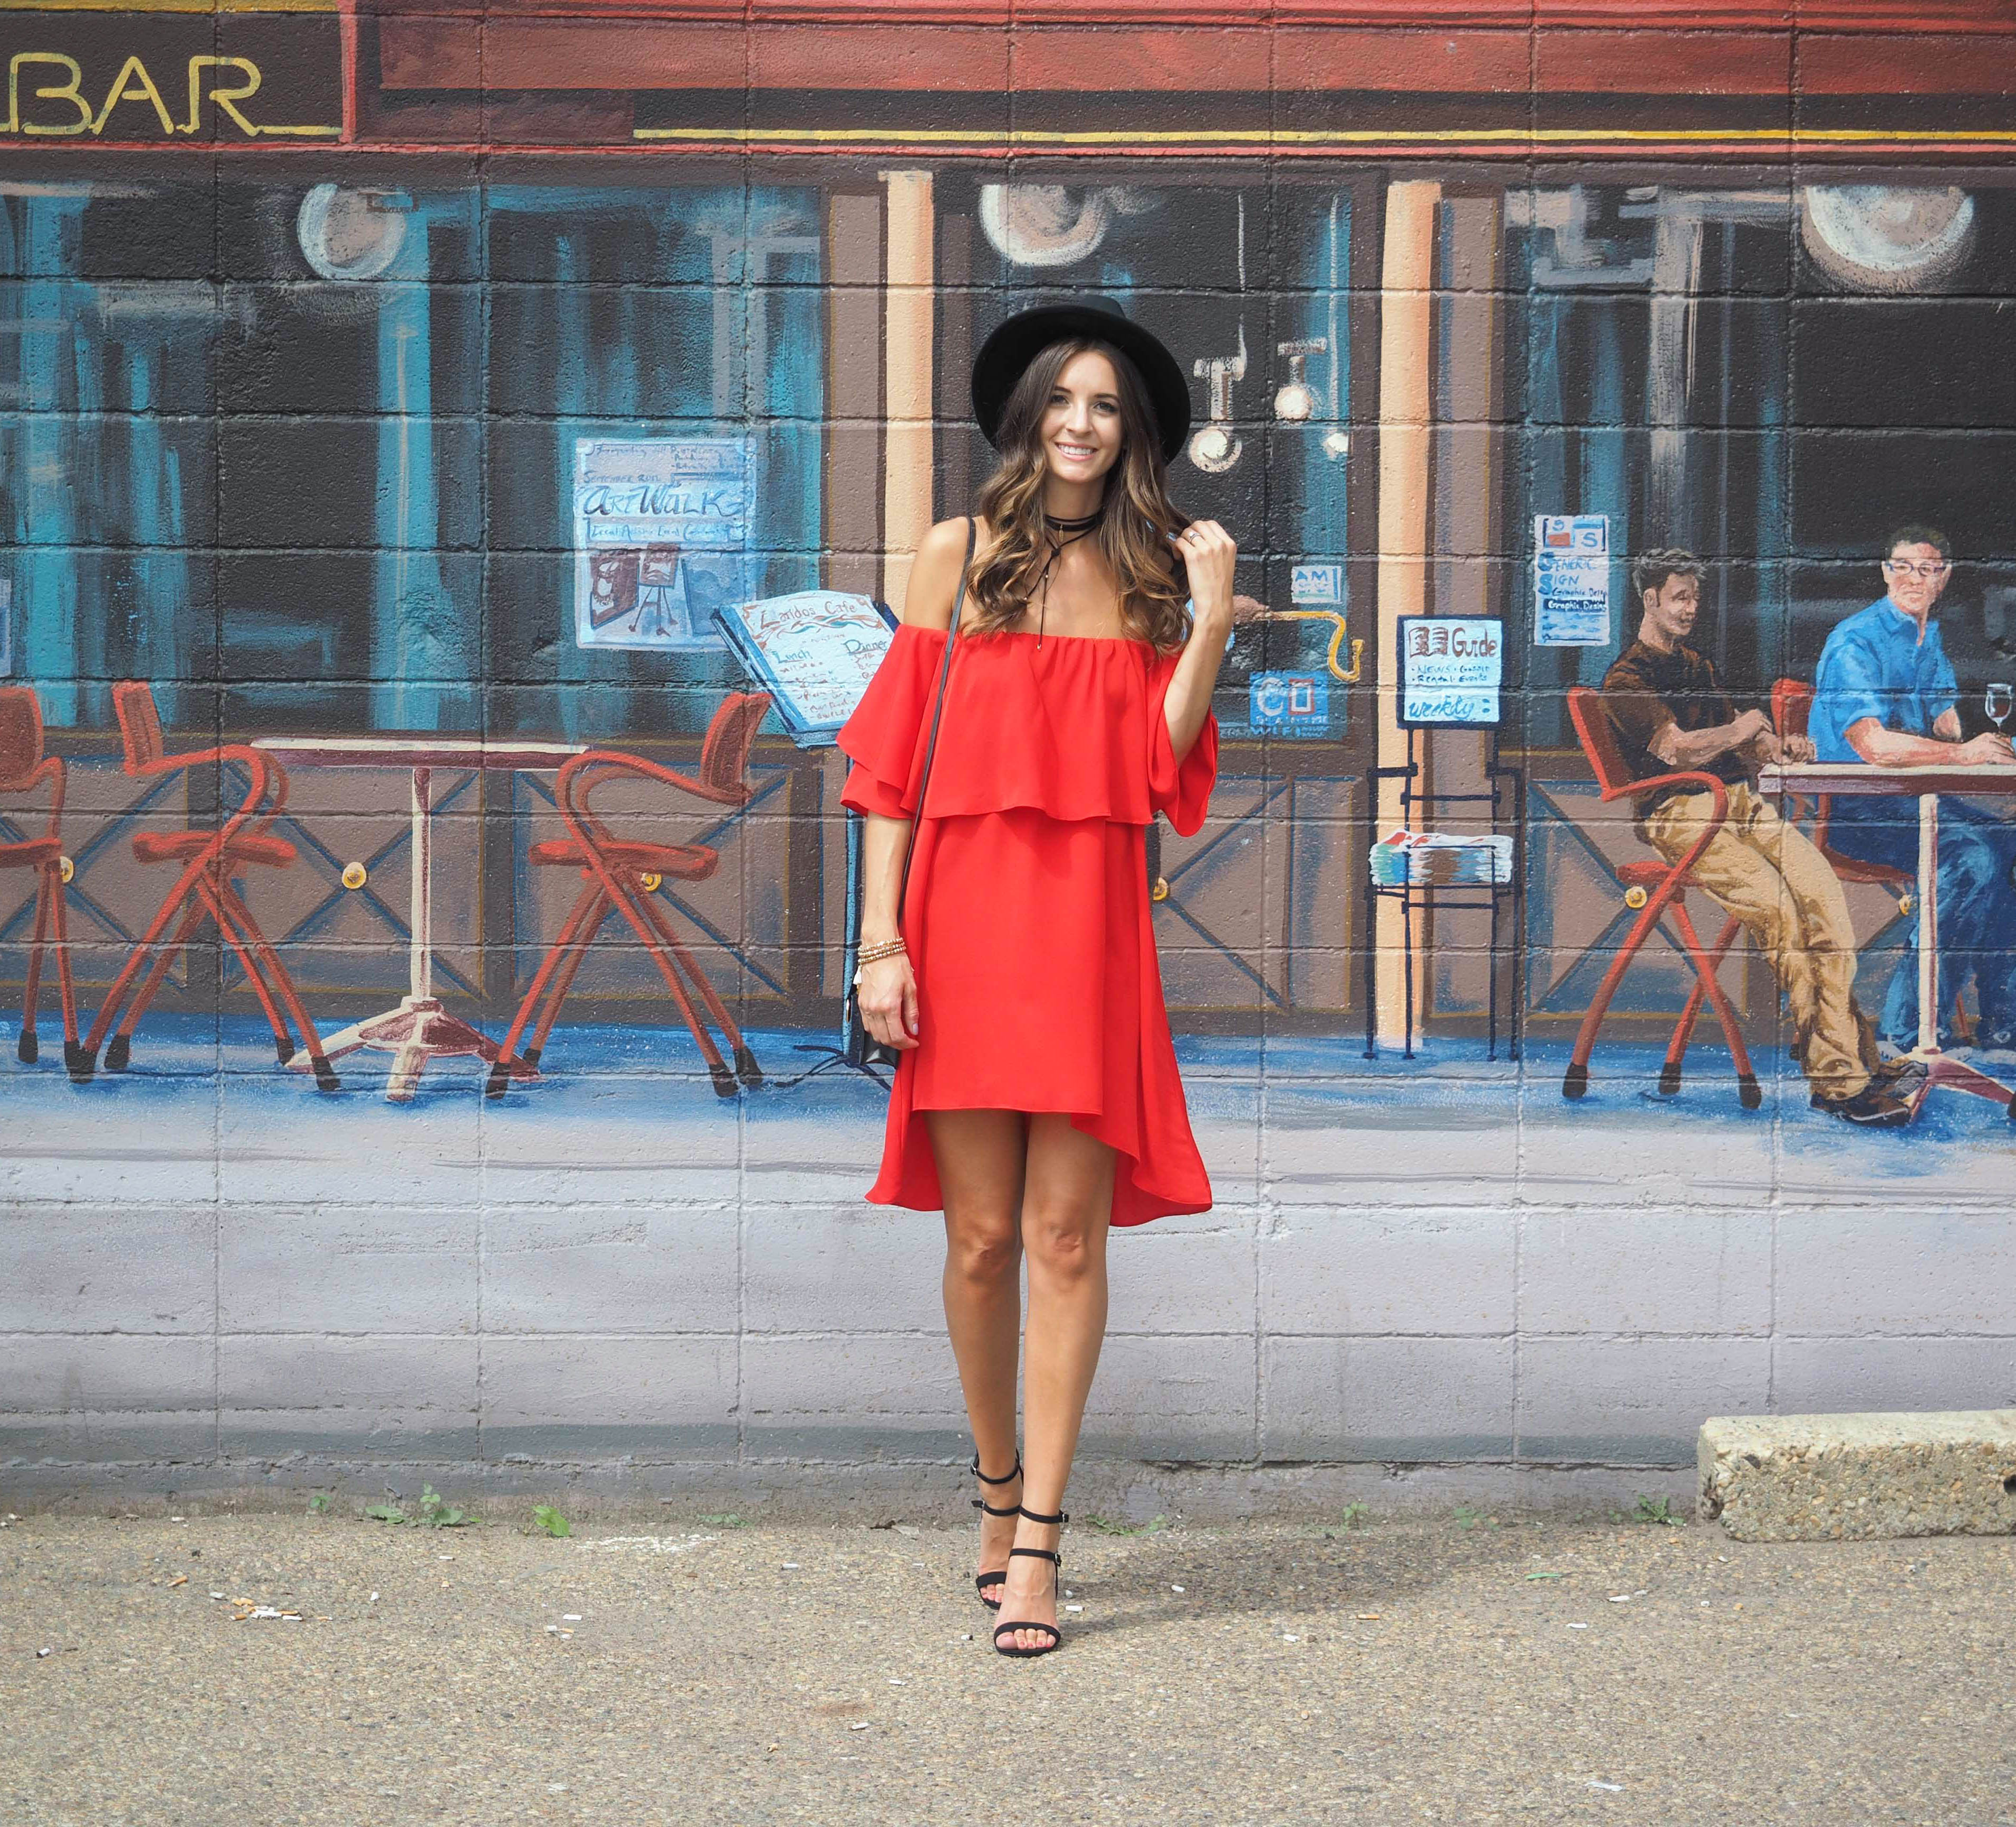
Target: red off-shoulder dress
(1028, 919)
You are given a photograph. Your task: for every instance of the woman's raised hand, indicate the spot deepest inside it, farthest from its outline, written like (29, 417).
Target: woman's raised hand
(1209, 552)
(887, 1000)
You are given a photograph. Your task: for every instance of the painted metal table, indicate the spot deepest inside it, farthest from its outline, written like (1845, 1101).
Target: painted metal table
(419, 1028)
(1924, 784)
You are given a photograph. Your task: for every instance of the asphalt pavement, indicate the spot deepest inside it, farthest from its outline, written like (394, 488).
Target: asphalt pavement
(679, 1668)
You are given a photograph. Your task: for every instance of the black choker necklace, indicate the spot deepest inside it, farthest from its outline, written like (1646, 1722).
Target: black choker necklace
(1073, 532)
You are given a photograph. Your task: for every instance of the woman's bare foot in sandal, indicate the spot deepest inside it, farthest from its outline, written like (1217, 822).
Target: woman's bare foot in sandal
(998, 1504)
(1028, 1624)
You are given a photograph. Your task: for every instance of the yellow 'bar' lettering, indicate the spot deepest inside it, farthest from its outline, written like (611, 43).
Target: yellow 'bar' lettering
(223, 99)
(131, 72)
(68, 92)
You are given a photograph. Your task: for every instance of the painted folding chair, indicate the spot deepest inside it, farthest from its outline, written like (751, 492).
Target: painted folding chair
(1791, 708)
(1657, 888)
(24, 768)
(1791, 711)
(622, 877)
(210, 859)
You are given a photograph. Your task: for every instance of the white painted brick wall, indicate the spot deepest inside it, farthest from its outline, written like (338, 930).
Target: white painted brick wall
(1449, 1285)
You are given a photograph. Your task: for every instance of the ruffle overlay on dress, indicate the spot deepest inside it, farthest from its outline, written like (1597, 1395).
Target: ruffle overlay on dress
(1062, 727)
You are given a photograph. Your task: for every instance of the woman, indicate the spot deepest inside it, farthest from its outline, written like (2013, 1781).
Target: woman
(1036, 1098)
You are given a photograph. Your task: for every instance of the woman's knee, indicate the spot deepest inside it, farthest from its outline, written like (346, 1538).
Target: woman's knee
(984, 1253)
(1064, 1246)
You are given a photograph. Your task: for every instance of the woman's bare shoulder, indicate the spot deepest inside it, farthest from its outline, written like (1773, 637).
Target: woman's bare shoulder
(934, 580)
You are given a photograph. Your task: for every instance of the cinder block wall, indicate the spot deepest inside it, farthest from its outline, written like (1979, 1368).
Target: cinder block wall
(1262, 1355)
(293, 403)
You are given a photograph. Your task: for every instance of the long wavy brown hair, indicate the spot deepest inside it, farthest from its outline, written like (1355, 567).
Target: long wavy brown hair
(1134, 532)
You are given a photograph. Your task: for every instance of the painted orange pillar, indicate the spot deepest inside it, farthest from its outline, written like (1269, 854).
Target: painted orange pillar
(1405, 308)
(908, 297)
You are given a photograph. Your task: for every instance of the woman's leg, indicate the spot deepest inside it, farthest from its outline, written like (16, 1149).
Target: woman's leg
(980, 1158)
(1067, 1204)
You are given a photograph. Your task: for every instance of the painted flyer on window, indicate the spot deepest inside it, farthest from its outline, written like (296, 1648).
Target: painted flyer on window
(1571, 580)
(661, 526)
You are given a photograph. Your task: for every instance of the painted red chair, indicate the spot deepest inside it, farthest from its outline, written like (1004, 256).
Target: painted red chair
(210, 859)
(1791, 711)
(615, 875)
(1663, 887)
(1791, 708)
(24, 768)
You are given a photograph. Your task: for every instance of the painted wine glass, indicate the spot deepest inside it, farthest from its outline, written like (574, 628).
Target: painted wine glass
(1999, 700)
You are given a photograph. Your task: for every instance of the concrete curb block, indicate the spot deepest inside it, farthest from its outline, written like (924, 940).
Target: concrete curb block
(1846, 1477)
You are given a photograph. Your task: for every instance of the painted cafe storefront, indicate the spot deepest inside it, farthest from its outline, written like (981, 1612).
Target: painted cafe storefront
(325, 326)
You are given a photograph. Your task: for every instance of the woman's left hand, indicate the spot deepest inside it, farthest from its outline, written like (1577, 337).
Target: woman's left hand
(1209, 552)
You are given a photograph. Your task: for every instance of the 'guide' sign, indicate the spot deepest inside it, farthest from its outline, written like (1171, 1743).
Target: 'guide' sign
(1451, 670)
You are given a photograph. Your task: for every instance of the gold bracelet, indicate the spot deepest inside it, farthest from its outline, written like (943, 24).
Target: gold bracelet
(874, 955)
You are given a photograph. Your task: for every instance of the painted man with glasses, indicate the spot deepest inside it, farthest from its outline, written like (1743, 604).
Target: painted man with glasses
(1886, 694)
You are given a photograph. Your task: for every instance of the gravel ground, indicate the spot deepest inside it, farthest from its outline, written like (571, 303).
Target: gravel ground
(1462, 1668)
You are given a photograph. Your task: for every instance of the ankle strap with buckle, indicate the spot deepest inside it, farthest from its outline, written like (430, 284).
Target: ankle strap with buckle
(1006, 1478)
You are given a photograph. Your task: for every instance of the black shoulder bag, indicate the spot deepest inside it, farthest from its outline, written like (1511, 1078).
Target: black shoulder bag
(861, 1049)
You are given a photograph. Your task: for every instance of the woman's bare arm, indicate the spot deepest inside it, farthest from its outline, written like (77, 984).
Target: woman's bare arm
(883, 842)
(927, 603)
(888, 992)
(1209, 559)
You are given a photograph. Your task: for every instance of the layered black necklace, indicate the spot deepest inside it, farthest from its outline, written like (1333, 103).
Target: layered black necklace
(1072, 531)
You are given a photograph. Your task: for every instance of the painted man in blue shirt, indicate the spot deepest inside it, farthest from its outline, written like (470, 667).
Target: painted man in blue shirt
(1886, 694)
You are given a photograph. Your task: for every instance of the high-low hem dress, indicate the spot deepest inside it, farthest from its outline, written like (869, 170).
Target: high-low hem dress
(1028, 918)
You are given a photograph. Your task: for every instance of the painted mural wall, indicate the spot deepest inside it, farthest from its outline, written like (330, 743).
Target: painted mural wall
(424, 894)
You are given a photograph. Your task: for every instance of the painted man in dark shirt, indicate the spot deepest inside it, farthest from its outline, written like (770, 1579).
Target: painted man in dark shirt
(1672, 715)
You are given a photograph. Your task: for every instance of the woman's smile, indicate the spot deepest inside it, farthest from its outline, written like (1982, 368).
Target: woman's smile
(1081, 427)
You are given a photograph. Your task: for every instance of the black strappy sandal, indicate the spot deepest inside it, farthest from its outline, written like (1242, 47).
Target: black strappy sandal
(984, 1580)
(1057, 1561)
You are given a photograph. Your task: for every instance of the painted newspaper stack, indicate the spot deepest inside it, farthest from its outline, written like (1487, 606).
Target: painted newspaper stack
(1438, 859)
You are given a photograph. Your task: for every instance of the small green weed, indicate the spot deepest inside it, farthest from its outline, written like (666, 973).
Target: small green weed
(730, 1521)
(1467, 1518)
(1352, 1516)
(548, 1521)
(1113, 1526)
(1656, 1510)
(318, 1504)
(435, 1512)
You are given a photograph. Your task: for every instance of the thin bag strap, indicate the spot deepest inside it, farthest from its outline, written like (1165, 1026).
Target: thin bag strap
(937, 708)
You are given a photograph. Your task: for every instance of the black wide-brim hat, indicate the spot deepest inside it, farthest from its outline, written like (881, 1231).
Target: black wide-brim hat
(1007, 353)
